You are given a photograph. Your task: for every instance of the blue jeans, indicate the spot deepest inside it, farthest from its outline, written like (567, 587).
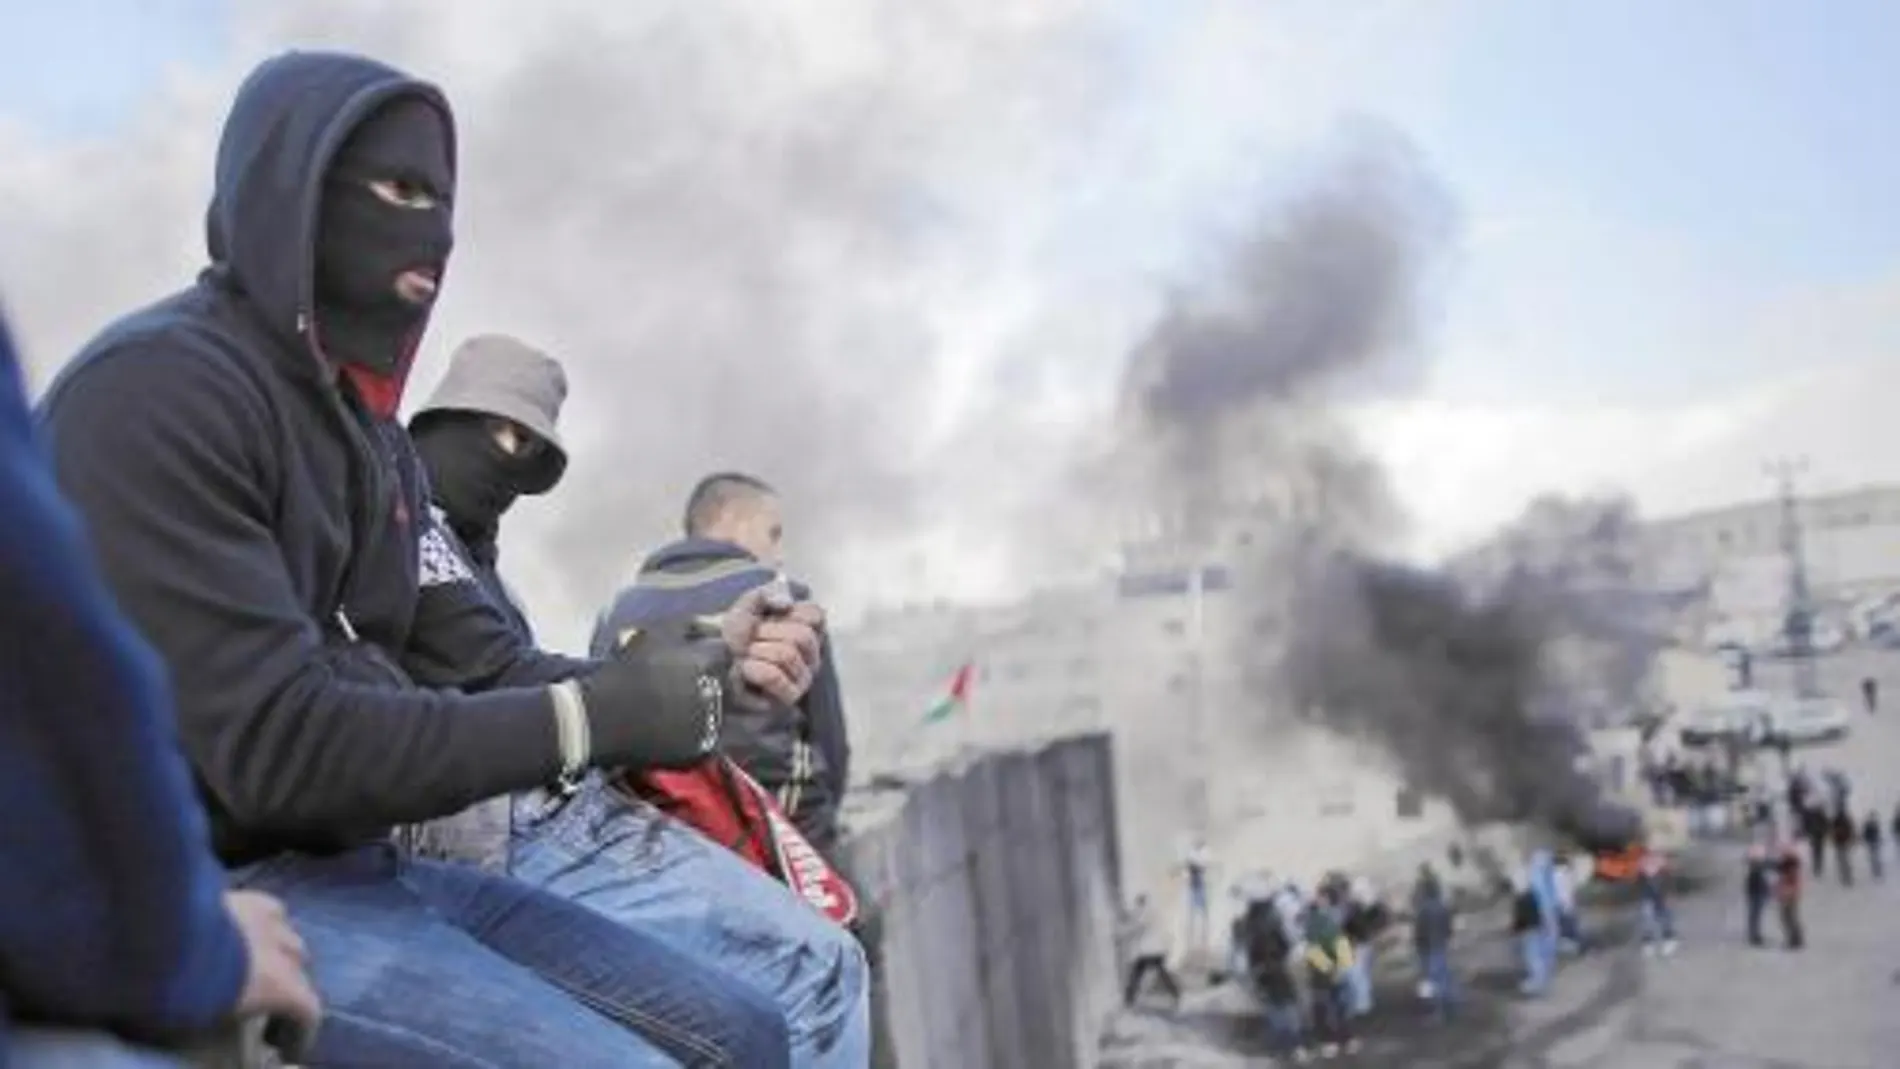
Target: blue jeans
(1570, 930)
(1436, 967)
(60, 1048)
(426, 963)
(1539, 954)
(1659, 925)
(655, 875)
(1357, 982)
(1286, 1026)
(1331, 1023)
(1197, 912)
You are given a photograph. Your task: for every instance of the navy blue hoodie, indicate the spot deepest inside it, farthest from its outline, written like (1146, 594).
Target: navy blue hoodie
(111, 904)
(261, 516)
(802, 755)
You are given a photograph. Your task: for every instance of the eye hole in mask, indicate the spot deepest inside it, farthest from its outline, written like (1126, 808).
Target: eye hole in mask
(515, 440)
(404, 193)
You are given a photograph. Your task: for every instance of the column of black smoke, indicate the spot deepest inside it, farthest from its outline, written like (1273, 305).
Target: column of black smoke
(1238, 390)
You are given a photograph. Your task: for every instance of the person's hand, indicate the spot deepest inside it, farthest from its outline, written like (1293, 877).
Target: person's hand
(659, 702)
(276, 985)
(774, 642)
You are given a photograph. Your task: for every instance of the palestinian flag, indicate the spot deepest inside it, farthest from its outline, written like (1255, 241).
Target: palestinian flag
(956, 698)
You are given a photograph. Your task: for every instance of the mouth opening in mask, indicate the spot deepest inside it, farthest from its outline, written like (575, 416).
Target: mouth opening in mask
(417, 285)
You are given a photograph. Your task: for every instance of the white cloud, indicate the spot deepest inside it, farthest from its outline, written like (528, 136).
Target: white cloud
(1464, 468)
(1464, 465)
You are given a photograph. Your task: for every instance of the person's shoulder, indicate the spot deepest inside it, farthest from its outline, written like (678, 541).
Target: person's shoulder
(152, 395)
(692, 585)
(157, 360)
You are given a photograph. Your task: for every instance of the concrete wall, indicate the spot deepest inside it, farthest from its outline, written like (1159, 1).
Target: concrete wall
(997, 883)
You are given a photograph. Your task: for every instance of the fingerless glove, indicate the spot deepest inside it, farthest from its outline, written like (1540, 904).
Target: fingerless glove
(659, 703)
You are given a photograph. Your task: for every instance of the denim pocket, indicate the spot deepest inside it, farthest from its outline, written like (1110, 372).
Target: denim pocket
(602, 821)
(530, 810)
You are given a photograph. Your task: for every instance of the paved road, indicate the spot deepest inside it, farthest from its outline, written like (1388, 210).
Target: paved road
(1719, 1004)
(1836, 1005)
(1723, 1005)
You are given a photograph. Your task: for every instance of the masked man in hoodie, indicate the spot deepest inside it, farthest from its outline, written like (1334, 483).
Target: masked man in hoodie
(488, 436)
(259, 515)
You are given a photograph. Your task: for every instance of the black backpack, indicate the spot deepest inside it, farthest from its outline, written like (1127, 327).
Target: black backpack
(1526, 914)
(1264, 938)
(1267, 948)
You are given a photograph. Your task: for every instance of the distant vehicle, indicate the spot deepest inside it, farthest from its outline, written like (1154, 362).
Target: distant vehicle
(1828, 636)
(1810, 719)
(1825, 637)
(1741, 712)
(1761, 719)
(1870, 617)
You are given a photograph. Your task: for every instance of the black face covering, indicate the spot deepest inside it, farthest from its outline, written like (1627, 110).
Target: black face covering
(364, 241)
(471, 476)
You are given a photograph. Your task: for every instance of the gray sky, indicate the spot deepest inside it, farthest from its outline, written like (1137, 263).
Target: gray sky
(894, 253)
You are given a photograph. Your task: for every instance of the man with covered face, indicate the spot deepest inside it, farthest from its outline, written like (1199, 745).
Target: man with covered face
(260, 515)
(487, 436)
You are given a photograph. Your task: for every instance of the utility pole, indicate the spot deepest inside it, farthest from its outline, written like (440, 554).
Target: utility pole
(1798, 623)
(1203, 806)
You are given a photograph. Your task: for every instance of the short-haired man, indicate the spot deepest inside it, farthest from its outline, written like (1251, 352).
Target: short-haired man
(259, 514)
(487, 436)
(734, 543)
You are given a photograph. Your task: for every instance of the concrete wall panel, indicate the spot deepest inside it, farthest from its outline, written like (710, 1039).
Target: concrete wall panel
(997, 883)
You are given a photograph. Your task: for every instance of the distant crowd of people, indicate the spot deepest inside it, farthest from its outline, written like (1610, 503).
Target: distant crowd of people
(1675, 781)
(1547, 923)
(1308, 956)
(1815, 812)
(1822, 814)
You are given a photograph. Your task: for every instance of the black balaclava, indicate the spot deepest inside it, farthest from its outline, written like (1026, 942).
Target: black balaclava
(471, 476)
(364, 242)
